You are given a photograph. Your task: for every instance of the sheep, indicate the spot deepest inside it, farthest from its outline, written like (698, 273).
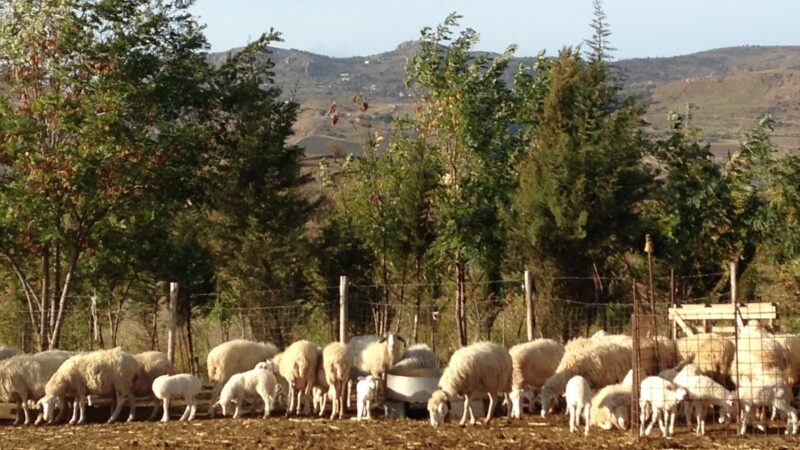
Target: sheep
(101, 372)
(791, 345)
(532, 364)
(257, 381)
(763, 391)
(184, 385)
(602, 361)
(7, 352)
(579, 402)
(711, 353)
(298, 366)
(417, 356)
(659, 400)
(366, 393)
(757, 354)
(336, 362)
(703, 392)
(611, 407)
(482, 367)
(151, 366)
(23, 378)
(236, 356)
(628, 380)
(373, 355)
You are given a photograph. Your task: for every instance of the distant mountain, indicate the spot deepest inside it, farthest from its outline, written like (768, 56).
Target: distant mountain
(727, 90)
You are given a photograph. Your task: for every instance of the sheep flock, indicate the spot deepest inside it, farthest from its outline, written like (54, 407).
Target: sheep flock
(688, 380)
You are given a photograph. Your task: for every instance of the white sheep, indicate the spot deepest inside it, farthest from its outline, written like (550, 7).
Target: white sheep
(320, 389)
(23, 378)
(184, 385)
(101, 373)
(258, 381)
(659, 400)
(373, 355)
(602, 361)
(336, 362)
(298, 366)
(611, 407)
(766, 391)
(483, 367)
(711, 353)
(7, 352)
(152, 365)
(417, 356)
(236, 356)
(532, 364)
(366, 393)
(628, 380)
(579, 403)
(703, 392)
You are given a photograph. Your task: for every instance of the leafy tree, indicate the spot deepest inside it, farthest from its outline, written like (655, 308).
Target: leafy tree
(100, 120)
(466, 111)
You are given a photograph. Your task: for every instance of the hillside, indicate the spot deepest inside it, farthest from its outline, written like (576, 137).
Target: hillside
(728, 89)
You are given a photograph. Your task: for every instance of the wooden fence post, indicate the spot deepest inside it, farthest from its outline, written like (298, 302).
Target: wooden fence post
(343, 309)
(173, 321)
(529, 316)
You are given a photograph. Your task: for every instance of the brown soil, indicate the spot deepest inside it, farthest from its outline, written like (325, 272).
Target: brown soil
(282, 433)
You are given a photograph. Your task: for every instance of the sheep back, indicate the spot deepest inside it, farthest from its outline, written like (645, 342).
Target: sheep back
(151, 365)
(477, 368)
(534, 362)
(336, 362)
(299, 362)
(236, 356)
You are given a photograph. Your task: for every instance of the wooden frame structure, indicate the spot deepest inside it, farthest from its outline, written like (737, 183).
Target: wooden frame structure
(692, 319)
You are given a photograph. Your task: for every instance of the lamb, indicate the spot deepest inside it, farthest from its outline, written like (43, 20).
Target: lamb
(185, 385)
(532, 364)
(579, 400)
(611, 407)
(101, 372)
(417, 356)
(659, 400)
(298, 366)
(257, 381)
(711, 353)
(602, 361)
(768, 390)
(320, 389)
(703, 392)
(7, 352)
(236, 356)
(366, 393)
(482, 367)
(23, 378)
(336, 362)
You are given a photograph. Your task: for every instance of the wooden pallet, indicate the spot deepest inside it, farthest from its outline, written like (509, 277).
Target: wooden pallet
(720, 318)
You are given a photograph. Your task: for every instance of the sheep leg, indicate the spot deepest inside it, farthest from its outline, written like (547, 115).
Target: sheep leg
(349, 393)
(572, 412)
(700, 415)
(186, 411)
(492, 401)
(117, 409)
(290, 396)
(165, 417)
(20, 414)
(324, 403)
(131, 407)
(80, 404)
(642, 418)
(467, 410)
(586, 416)
(672, 415)
(746, 413)
(663, 422)
(300, 400)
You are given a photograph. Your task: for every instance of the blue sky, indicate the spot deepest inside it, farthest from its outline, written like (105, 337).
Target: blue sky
(639, 28)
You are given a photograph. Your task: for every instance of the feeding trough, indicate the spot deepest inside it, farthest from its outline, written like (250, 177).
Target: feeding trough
(408, 390)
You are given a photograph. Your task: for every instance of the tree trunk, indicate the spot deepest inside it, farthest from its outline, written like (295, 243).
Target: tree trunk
(44, 296)
(56, 284)
(461, 304)
(192, 361)
(54, 340)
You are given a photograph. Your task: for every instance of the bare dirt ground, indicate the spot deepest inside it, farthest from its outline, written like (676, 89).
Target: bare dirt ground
(283, 433)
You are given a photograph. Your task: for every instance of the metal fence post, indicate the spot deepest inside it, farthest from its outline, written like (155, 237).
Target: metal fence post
(173, 321)
(529, 316)
(343, 309)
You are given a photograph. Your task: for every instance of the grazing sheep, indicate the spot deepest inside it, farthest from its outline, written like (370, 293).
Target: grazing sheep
(703, 392)
(258, 381)
(766, 391)
(102, 372)
(602, 361)
(185, 385)
(151, 366)
(711, 353)
(579, 403)
(659, 400)
(7, 352)
(23, 378)
(236, 356)
(366, 393)
(417, 356)
(336, 361)
(611, 407)
(298, 366)
(479, 368)
(532, 364)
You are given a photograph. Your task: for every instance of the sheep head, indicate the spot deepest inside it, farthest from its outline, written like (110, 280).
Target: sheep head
(438, 407)
(48, 405)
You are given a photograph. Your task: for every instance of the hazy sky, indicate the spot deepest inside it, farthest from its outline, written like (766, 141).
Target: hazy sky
(639, 27)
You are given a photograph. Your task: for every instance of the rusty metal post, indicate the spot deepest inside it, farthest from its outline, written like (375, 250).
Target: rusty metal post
(635, 365)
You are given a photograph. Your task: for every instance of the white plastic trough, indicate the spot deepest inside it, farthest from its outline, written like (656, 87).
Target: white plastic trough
(415, 386)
